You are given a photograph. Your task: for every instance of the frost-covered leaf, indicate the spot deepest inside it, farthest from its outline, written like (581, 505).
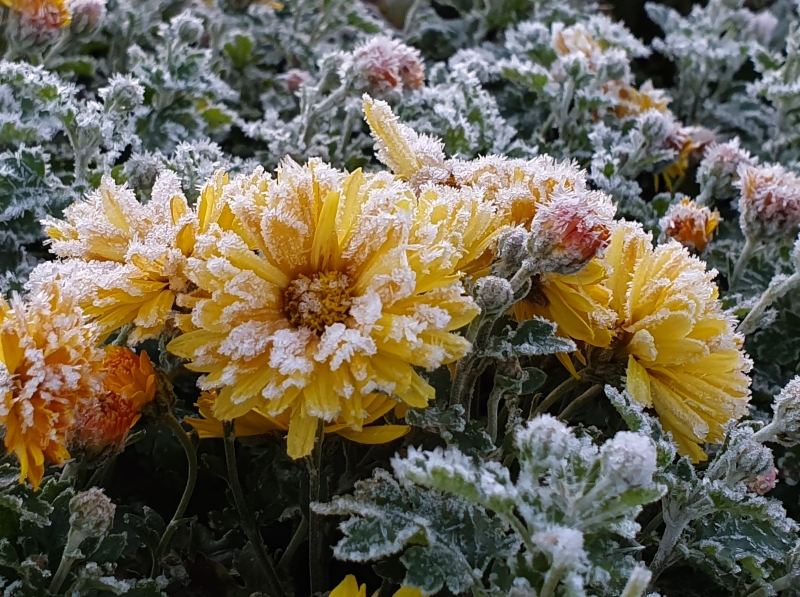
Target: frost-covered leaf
(533, 337)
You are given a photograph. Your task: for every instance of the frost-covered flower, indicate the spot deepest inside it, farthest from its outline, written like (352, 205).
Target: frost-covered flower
(349, 588)
(688, 143)
(373, 430)
(517, 189)
(318, 298)
(719, 168)
(689, 224)
(48, 366)
(631, 102)
(563, 545)
(545, 441)
(135, 254)
(41, 14)
(103, 420)
(384, 66)
(683, 357)
(769, 203)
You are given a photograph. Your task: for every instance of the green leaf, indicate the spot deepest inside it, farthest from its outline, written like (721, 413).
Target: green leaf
(533, 337)
(240, 51)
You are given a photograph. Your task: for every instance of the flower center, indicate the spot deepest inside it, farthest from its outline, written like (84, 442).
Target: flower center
(317, 301)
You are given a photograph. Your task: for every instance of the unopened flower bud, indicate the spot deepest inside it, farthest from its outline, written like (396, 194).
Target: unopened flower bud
(293, 79)
(689, 224)
(629, 459)
(545, 441)
(87, 16)
(91, 516)
(493, 294)
(769, 201)
(765, 483)
(123, 94)
(33, 25)
(787, 412)
(720, 166)
(189, 28)
(568, 231)
(386, 66)
(512, 250)
(564, 545)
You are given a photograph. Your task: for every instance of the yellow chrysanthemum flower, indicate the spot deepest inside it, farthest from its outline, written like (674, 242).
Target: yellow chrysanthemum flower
(336, 302)
(349, 588)
(254, 423)
(516, 189)
(48, 365)
(683, 357)
(45, 14)
(136, 253)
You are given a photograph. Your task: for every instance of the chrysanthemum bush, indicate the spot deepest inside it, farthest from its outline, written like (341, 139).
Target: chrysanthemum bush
(399, 298)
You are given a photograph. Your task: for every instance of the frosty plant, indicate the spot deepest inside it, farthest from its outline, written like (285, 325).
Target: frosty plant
(405, 268)
(569, 497)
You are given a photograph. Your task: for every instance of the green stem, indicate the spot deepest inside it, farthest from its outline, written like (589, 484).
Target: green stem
(275, 588)
(317, 562)
(299, 537)
(553, 396)
(60, 576)
(672, 534)
(744, 257)
(492, 406)
(551, 580)
(580, 401)
(652, 525)
(191, 479)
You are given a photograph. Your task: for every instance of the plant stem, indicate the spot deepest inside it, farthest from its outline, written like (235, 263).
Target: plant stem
(777, 288)
(738, 269)
(275, 588)
(576, 404)
(672, 534)
(317, 562)
(653, 524)
(557, 393)
(551, 580)
(191, 479)
(299, 537)
(492, 405)
(60, 576)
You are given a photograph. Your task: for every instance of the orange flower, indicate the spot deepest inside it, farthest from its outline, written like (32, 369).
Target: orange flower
(105, 420)
(130, 374)
(42, 14)
(690, 224)
(48, 365)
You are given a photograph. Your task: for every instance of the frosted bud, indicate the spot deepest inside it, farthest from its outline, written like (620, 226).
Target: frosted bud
(123, 94)
(512, 249)
(293, 79)
(629, 459)
(493, 294)
(762, 25)
(563, 544)
(569, 230)
(655, 126)
(545, 440)
(689, 224)
(190, 28)
(720, 165)
(787, 411)
(384, 65)
(87, 16)
(769, 202)
(27, 30)
(765, 483)
(91, 516)
(753, 461)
